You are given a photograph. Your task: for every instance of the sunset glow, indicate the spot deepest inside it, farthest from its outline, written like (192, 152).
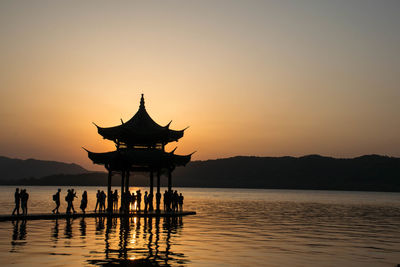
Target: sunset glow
(267, 78)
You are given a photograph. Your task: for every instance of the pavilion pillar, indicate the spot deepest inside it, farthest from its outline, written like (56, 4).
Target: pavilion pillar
(109, 193)
(122, 190)
(151, 191)
(169, 179)
(127, 182)
(127, 198)
(158, 195)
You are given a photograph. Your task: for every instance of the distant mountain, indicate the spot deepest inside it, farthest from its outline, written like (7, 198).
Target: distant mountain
(91, 179)
(365, 173)
(369, 172)
(14, 169)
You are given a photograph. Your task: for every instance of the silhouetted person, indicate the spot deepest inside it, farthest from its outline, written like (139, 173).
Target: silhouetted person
(138, 199)
(56, 199)
(158, 201)
(97, 200)
(102, 201)
(70, 198)
(175, 199)
(24, 201)
(180, 202)
(146, 201)
(168, 200)
(17, 201)
(165, 200)
(115, 200)
(150, 201)
(84, 201)
(133, 199)
(67, 199)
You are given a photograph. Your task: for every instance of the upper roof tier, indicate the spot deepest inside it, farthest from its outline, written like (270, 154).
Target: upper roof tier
(141, 129)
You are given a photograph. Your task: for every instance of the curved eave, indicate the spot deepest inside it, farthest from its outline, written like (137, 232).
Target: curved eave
(109, 133)
(175, 135)
(181, 160)
(101, 158)
(138, 157)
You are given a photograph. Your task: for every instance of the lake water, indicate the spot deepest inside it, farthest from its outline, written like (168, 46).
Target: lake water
(233, 227)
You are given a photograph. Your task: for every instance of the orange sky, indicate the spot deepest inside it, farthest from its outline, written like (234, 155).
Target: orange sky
(249, 77)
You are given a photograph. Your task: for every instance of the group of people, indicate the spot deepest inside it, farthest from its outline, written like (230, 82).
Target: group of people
(172, 201)
(69, 198)
(101, 201)
(131, 200)
(21, 200)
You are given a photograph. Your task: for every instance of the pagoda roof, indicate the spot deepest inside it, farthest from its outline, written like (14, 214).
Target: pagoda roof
(141, 129)
(123, 159)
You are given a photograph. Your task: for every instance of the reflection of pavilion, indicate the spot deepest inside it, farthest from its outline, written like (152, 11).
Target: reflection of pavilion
(140, 144)
(141, 241)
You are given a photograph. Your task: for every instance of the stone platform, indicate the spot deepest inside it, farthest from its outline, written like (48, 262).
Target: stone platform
(51, 216)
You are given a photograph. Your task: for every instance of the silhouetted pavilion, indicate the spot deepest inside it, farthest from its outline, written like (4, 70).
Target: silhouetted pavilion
(140, 147)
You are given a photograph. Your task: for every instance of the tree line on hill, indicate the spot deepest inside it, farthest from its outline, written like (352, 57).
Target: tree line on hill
(365, 173)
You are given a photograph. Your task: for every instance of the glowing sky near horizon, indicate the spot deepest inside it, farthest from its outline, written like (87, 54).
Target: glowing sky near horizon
(265, 78)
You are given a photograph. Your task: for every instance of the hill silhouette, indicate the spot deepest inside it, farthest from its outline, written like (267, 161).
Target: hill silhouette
(365, 173)
(369, 172)
(15, 169)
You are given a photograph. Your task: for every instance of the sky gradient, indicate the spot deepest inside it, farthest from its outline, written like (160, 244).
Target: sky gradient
(265, 78)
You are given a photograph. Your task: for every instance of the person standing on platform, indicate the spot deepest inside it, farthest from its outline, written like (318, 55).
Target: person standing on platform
(84, 201)
(102, 201)
(175, 198)
(115, 200)
(133, 200)
(67, 199)
(73, 196)
(165, 200)
(56, 199)
(150, 201)
(24, 201)
(146, 201)
(138, 199)
(180, 202)
(158, 201)
(17, 201)
(97, 200)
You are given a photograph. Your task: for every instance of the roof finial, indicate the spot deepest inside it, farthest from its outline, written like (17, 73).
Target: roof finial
(142, 102)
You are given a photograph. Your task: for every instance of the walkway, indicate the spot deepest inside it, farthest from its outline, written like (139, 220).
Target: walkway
(50, 216)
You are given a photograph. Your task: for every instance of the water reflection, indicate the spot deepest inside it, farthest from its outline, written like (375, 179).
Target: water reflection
(68, 228)
(140, 242)
(127, 241)
(82, 228)
(18, 235)
(55, 231)
(109, 241)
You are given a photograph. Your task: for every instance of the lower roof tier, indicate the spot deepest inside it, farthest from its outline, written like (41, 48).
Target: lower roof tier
(124, 159)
